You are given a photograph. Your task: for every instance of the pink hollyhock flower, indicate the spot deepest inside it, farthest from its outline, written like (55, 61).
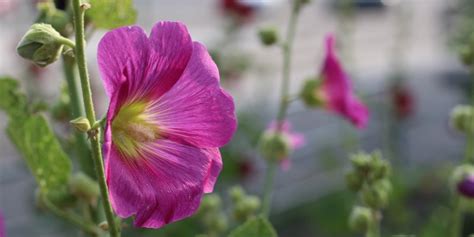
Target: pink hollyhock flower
(166, 119)
(336, 90)
(279, 145)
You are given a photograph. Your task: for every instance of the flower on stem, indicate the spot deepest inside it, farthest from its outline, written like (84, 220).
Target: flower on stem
(334, 91)
(166, 120)
(277, 145)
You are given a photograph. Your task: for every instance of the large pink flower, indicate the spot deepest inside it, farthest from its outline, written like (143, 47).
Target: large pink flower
(337, 91)
(166, 119)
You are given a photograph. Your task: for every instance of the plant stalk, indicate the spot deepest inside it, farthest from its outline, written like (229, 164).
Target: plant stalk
(79, 9)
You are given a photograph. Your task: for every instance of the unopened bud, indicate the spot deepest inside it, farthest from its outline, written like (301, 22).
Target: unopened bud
(311, 95)
(236, 193)
(354, 181)
(467, 55)
(377, 195)
(211, 202)
(84, 187)
(462, 118)
(462, 180)
(275, 146)
(41, 44)
(104, 226)
(360, 219)
(246, 208)
(268, 36)
(81, 124)
(466, 186)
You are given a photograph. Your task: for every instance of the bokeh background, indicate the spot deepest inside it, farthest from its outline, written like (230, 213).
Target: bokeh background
(401, 55)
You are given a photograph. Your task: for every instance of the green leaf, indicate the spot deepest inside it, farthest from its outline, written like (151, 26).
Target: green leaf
(12, 101)
(35, 140)
(109, 14)
(255, 227)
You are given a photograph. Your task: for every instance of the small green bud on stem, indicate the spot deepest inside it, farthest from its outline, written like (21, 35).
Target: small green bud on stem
(268, 36)
(81, 124)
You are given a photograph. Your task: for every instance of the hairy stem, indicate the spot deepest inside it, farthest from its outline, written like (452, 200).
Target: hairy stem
(83, 150)
(268, 188)
(89, 107)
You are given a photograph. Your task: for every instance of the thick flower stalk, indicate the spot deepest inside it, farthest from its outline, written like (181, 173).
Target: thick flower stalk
(333, 91)
(166, 120)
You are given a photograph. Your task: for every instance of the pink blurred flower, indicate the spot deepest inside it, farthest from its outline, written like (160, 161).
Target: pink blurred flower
(466, 186)
(294, 141)
(336, 89)
(166, 119)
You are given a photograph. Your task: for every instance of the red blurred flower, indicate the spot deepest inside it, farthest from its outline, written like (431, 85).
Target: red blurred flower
(403, 101)
(238, 8)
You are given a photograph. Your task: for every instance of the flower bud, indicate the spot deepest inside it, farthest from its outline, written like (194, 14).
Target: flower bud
(354, 181)
(84, 187)
(360, 219)
(377, 195)
(41, 44)
(81, 124)
(275, 146)
(268, 36)
(311, 95)
(246, 208)
(211, 202)
(236, 194)
(462, 118)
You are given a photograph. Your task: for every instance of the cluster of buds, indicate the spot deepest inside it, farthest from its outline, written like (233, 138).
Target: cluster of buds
(213, 218)
(462, 118)
(244, 206)
(370, 179)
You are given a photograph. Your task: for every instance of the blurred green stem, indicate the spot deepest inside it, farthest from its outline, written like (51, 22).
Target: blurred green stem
(374, 228)
(79, 10)
(87, 227)
(470, 136)
(268, 187)
(284, 101)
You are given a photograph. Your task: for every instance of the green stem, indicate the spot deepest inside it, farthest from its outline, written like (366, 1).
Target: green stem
(374, 228)
(66, 42)
(89, 107)
(470, 135)
(284, 101)
(83, 150)
(456, 224)
(268, 188)
(89, 228)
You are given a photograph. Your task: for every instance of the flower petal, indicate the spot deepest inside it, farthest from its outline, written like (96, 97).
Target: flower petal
(131, 55)
(164, 185)
(196, 110)
(148, 66)
(337, 88)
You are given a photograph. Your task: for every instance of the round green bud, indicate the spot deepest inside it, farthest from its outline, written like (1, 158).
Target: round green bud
(81, 124)
(354, 181)
(41, 44)
(274, 146)
(377, 195)
(246, 208)
(311, 95)
(236, 193)
(268, 36)
(459, 174)
(360, 219)
(82, 186)
(211, 202)
(462, 118)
